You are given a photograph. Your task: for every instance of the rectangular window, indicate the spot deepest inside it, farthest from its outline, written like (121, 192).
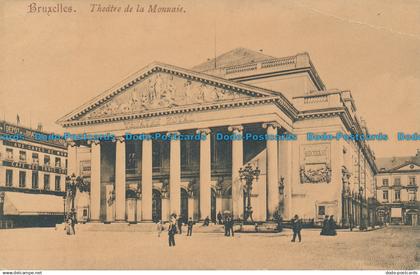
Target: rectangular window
(47, 161)
(321, 210)
(9, 178)
(9, 154)
(412, 180)
(412, 196)
(397, 181)
(46, 182)
(35, 183)
(385, 195)
(58, 162)
(22, 179)
(22, 156)
(385, 182)
(397, 195)
(35, 158)
(57, 183)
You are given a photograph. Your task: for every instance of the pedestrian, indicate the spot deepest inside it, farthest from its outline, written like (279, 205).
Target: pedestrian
(159, 227)
(180, 225)
(231, 223)
(226, 225)
(171, 233)
(332, 226)
(324, 230)
(206, 221)
(219, 217)
(190, 226)
(297, 227)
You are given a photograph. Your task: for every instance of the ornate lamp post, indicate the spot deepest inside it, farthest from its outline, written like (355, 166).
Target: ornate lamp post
(248, 173)
(362, 222)
(72, 184)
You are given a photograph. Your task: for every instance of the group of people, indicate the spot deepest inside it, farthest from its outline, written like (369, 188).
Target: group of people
(329, 226)
(176, 224)
(175, 227)
(228, 223)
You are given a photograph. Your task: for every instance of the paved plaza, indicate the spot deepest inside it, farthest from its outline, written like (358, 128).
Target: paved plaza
(387, 248)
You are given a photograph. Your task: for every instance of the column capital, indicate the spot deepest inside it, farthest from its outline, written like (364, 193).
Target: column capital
(236, 128)
(120, 139)
(93, 142)
(203, 131)
(271, 124)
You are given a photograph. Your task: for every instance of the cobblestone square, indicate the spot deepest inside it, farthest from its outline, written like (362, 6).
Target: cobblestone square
(387, 248)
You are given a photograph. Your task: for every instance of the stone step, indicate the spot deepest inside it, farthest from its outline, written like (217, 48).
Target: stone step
(143, 227)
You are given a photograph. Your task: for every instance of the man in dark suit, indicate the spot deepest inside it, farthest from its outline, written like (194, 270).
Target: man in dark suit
(297, 227)
(190, 226)
(171, 233)
(226, 224)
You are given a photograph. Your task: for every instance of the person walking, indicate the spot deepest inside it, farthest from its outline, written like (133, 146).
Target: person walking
(226, 225)
(297, 227)
(171, 233)
(190, 226)
(332, 226)
(325, 226)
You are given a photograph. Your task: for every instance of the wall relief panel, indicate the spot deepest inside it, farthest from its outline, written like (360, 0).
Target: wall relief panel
(315, 163)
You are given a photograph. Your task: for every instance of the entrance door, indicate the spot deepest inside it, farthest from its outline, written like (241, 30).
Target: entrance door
(184, 205)
(156, 206)
(213, 205)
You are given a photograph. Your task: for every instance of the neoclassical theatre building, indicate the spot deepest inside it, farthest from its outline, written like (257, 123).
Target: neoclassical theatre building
(238, 93)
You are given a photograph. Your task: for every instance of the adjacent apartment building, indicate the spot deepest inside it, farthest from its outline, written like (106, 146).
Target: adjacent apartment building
(32, 177)
(397, 189)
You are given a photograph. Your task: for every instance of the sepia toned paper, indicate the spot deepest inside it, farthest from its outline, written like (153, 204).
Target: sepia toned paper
(209, 135)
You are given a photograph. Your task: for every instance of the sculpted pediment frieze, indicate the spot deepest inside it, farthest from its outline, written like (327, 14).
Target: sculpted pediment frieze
(160, 91)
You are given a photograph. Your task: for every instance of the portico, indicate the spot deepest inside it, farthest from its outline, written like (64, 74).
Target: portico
(136, 180)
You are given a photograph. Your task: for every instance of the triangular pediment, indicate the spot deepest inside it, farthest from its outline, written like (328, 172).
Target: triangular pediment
(408, 167)
(160, 87)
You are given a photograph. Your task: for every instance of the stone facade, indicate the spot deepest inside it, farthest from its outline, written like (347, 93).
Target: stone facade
(145, 180)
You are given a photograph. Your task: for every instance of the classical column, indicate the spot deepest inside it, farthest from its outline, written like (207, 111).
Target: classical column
(165, 207)
(175, 174)
(205, 173)
(272, 176)
(146, 180)
(120, 179)
(95, 180)
(237, 163)
(71, 158)
(219, 195)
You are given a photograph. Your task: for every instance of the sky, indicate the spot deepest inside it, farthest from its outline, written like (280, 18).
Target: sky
(51, 64)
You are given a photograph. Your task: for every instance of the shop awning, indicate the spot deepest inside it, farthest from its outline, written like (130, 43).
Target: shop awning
(16, 203)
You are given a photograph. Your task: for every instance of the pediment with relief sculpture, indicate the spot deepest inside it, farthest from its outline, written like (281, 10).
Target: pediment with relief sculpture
(163, 90)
